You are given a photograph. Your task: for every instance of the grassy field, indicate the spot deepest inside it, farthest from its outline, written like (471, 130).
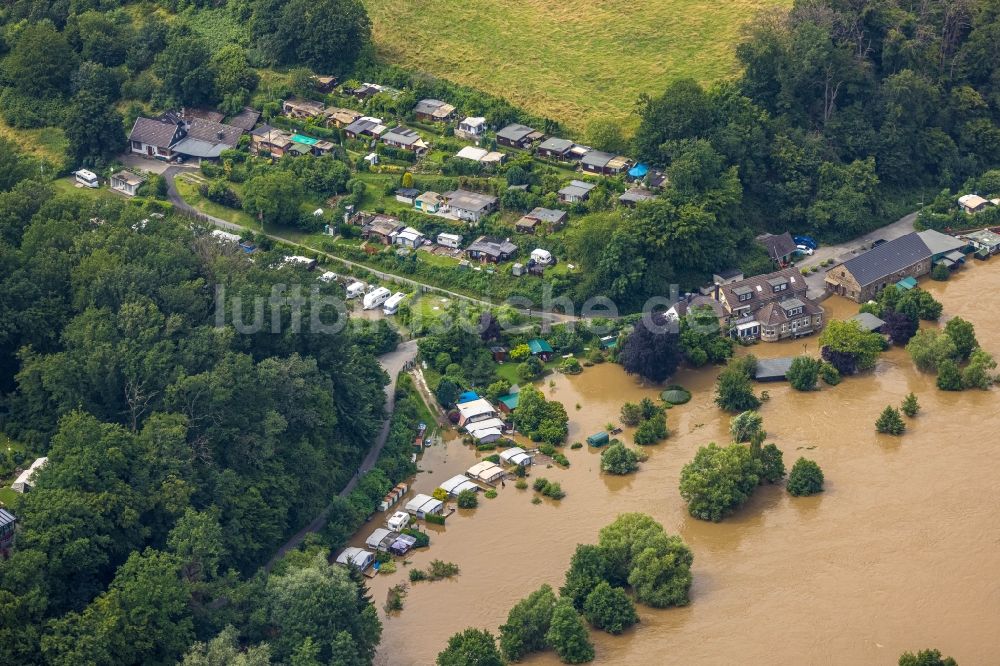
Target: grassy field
(47, 143)
(572, 60)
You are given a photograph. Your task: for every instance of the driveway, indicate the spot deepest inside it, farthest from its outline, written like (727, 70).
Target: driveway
(841, 252)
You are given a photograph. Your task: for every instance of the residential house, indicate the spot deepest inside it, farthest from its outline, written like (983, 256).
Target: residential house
(491, 250)
(246, 119)
(780, 248)
(972, 203)
(603, 163)
(861, 278)
(306, 145)
(207, 140)
(365, 126)
(409, 237)
(472, 128)
(944, 249)
(540, 348)
(404, 138)
(382, 228)
(429, 202)
(475, 411)
(550, 218)
(127, 182)
(634, 196)
(302, 109)
(155, 137)
(324, 84)
(339, 117)
(985, 242)
(433, 110)
(407, 195)
(692, 302)
(558, 149)
(480, 155)
(470, 206)
(271, 140)
(576, 191)
(771, 307)
(366, 91)
(518, 136)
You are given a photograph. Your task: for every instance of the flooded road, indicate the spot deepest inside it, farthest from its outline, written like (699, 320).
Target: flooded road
(900, 552)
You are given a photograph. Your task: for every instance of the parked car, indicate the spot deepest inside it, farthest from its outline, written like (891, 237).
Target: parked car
(808, 241)
(804, 249)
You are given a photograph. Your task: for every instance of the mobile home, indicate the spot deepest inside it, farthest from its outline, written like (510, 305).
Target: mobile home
(356, 557)
(454, 241)
(355, 289)
(87, 178)
(375, 298)
(391, 306)
(398, 521)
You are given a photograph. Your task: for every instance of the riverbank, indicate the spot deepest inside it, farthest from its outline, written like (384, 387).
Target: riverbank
(903, 535)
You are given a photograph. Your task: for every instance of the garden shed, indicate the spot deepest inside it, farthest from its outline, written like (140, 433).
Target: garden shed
(598, 439)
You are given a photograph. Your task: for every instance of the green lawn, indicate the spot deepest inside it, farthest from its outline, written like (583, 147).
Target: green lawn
(189, 192)
(7, 496)
(571, 60)
(48, 143)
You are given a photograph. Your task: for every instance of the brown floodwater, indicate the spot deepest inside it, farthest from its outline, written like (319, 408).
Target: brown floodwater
(899, 553)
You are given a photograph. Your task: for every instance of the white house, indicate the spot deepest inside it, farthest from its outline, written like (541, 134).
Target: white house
(356, 557)
(457, 484)
(423, 505)
(475, 410)
(25, 480)
(381, 539)
(515, 455)
(486, 472)
(472, 128)
(454, 241)
(409, 237)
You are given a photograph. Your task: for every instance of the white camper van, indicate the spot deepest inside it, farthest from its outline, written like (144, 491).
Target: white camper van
(376, 298)
(355, 289)
(543, 257)
(87, 178)
(398, 521)
(328, 276)
(391, 306)
(454, 241)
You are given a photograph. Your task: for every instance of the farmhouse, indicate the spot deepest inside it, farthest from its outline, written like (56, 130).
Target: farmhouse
(576, 191)
(267, 139)
(382, 228)
(301, 109)
(155, 137)
(433, 110)
(404, 139)
(558, 149)
(365, 126)
(26, 479)
(491, 250)
(470, 206)
(972, 203)
(779, 248)
(471, 128)
(986, 242)
(518, 136)
(770, 307)
(324, 84)
(549, 217)
(127, 182)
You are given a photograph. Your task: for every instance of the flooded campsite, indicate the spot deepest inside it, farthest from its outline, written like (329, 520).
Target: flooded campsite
(896, 553)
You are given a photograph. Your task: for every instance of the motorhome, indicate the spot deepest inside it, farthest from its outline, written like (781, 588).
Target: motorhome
(391, 306)
(355, 289)
(543, 257)
(376, 298)
(87, 178)
(398, 521)
(328, 276)
(454, 241)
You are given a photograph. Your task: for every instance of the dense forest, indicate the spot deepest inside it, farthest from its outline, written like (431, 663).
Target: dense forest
(180, 452)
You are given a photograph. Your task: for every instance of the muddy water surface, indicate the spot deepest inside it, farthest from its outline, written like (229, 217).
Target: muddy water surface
(900, 552)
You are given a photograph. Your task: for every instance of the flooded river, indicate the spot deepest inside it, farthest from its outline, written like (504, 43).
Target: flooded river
(900, 553)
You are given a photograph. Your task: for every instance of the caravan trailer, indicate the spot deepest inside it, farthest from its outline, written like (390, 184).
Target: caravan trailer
(87, 178)
(454, 241)
(376, 298)
(391, 306)
(300, 261)
(355, 289)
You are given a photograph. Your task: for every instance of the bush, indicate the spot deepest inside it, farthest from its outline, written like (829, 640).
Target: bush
(734, 390)
(806, 478)
(490, 494)
(803, 373)
(468, 499)
(548, 488)
(940, 273)
(949, 376)
(890, 422)
(568, 636)
(616, 459)
(521, 484)
(439, 569)
(576, 445)
(423, 539)
(440, 494)
(570, 366)
(829, 374)
(609, 608)
(631, 414)
(910, 406)
(652, 430)
(561, 459)
(417, 575)
(434, 519)
(772, 464)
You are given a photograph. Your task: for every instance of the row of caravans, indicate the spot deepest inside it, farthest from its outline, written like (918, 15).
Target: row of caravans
(373, 297)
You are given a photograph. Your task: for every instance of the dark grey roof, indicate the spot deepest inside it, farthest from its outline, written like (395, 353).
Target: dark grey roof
(778, 246)
(887, 258)
(470, 201)
(153, 132)
(515, 132)
(492, 246)
(401, 135)
(577, 188)
(773, 368)
(360, 125)
(215, 133)
(868, 321)
(556, 145)
(790, 304)
(597, 158)
(428, 106)
(548, 215)
(245, 119)
(636, 195)
(6, 518)
(408, 192)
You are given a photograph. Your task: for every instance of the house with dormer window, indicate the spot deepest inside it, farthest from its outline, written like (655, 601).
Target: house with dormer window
(770, 307)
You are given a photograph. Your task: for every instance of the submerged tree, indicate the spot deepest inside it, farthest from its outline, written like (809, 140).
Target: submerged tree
(890, 422)
(609, 608)
(567, 635)
(527, 623)
(472, 647)
(806, 478)
(651, 351)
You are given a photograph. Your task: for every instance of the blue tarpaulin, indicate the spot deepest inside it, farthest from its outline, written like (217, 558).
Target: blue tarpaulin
(468, 396)
(638, 171)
